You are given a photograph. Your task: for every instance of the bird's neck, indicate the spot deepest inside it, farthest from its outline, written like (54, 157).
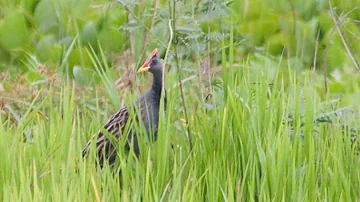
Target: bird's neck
(157, 85)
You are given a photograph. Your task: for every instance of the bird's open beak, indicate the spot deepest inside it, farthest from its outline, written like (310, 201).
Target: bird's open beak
(143, 69)
(146, 66)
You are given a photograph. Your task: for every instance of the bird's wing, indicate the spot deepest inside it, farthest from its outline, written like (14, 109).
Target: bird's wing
(115, 126)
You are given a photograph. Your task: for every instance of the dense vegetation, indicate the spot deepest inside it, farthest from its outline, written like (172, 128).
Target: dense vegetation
(267, 107)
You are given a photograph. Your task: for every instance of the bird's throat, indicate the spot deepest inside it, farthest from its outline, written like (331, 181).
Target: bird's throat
(157, 85)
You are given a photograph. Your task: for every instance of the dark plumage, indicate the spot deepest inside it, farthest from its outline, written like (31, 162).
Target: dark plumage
(147, 106)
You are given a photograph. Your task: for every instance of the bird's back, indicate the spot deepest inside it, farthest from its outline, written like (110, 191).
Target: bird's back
(106, 147)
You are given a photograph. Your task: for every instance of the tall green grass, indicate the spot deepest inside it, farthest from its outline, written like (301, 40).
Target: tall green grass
(243, 148)
(256, 139)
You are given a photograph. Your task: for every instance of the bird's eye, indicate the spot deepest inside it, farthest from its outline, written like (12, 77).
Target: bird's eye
(153, 62)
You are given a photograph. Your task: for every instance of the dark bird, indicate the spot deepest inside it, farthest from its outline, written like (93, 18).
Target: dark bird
(146, 109)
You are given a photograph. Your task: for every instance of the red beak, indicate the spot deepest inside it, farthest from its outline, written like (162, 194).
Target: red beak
(146, 65)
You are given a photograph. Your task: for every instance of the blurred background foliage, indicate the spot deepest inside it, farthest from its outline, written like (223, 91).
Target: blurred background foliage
(61, 35)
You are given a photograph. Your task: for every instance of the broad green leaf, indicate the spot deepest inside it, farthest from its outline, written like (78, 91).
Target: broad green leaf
(336, 57)
(79, 57)
(276, 43)
(29, 5)
(78, 7)
(89, 34)
(82, 75)
(14, 32)
(258, 30)
(66, 41)
(47, 49)
(252, 10)
(111, 39)
(45, 16)
(325, 21)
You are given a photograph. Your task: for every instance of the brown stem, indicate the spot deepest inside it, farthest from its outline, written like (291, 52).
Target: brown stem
(342, 37)
(316, 52)
(179, 75)
(208, 55)
(338, 21)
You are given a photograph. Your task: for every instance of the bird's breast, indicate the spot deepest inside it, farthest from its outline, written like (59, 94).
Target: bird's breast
(150, 117)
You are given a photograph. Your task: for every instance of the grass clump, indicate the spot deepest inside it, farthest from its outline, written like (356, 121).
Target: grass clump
(260, 129)
(261, 142)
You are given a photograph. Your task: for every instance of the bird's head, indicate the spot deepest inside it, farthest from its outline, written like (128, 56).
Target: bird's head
(152, 64)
